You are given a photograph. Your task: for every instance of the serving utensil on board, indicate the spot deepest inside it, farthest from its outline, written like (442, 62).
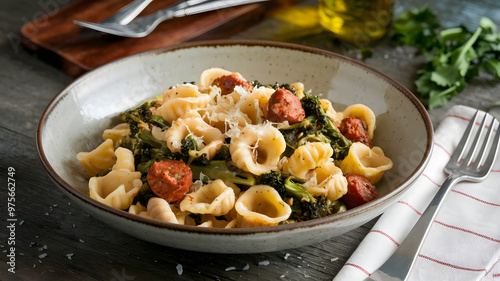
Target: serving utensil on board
(143, 26)
(128, 13)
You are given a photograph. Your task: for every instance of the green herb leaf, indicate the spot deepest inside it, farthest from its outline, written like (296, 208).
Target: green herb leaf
(454, 55)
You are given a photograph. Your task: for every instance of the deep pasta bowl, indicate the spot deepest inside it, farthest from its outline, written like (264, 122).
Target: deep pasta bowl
(75, 119)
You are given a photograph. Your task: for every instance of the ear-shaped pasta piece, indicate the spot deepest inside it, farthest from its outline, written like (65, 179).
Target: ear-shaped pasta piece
(326, 180)
(180, 100)
(362, 112)
(139, 210)
(371, 163)
(211, 149)
(192, 125)
(117, 132)
(117, 189)
(214, 198)
(124, 160)
(136, 209)
(214, 222)
(208, 76)
(158, 133)
(255, 104)
(257, 148)
(232, 224)
(307, 157)
(330, 112)
(101, 158)
(261, 205)
(159, 209)
(224, 117)
(299, 88)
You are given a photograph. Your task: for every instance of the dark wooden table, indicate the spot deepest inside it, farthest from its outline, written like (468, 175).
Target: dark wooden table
(56, 240)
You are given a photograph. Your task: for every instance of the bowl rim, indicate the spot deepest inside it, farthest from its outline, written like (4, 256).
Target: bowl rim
(84, 198)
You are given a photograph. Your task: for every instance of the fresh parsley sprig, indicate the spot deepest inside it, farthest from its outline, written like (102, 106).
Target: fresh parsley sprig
(453, 56)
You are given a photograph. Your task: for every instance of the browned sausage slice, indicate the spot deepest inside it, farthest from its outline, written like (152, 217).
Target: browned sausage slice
(355, 130)
(170, 180)
(227, 83)
(283, 106)
(359, 191)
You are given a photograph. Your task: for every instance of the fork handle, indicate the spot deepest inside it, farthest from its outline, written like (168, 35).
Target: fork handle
(401, 262)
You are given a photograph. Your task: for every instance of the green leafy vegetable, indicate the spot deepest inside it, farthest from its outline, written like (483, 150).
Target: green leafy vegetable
(304, 206)
(454, 56)
(417, 27)
(302, 210)
(219, 169)
(317, 126)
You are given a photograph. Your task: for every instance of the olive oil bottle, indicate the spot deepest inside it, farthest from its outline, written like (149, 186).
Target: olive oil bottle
(357, 22)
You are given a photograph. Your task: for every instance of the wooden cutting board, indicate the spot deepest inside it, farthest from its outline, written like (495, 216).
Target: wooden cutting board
(55, 39)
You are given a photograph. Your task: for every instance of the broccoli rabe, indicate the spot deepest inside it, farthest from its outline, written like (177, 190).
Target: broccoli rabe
(141, 115)
(304, 206)
(219, 169)
(302, 211)
(190, 153)
(287, 185)
(147, 150)
(317, 126)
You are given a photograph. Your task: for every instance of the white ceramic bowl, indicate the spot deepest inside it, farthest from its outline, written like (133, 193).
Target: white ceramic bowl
(76, 117)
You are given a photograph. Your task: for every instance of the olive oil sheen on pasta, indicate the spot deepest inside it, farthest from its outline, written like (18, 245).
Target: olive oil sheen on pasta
(357, 22)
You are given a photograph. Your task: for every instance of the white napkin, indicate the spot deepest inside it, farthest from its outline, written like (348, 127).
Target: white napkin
(464, 241)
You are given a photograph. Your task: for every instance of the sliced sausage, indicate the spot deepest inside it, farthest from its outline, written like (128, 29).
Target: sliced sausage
(283, 106)
(355, 130)
(359, 191)
(170, 180)
(227, 83)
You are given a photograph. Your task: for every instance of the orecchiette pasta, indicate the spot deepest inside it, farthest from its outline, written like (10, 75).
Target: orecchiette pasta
(124, 160)
(180, 100)
(326, 180)
(330, 112)
(117, 132)
(224, 118)
(364, 113)
(139, 210)
(307, 157)
(257, 148)
(160, 209)
(117, 189)
(214, 198)
(255, 104)
(222, 160)
(195, 126)
(99, 159)
(261, 205)
(208, 76)
(370, 163)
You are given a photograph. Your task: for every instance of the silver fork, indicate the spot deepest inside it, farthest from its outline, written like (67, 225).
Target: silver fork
(126, 14)
(470, 161)
(143, 26)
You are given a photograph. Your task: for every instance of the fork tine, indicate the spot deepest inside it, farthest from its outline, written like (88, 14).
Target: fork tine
(486, 141)
(488, 163)
(474, 146)
(459, 151)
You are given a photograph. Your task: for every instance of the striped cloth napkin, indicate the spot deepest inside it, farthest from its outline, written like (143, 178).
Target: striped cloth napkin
(464, 241)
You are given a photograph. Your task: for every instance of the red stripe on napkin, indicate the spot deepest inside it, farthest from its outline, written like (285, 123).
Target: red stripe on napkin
(410, 206)
(477, 199)
(451, 265)
(386, 235)
(440, 146)
(468, 231)
(358, 267)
